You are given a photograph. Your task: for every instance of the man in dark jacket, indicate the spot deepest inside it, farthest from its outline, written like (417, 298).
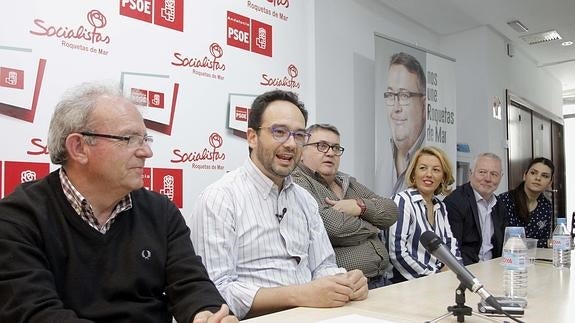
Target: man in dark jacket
(475, 216)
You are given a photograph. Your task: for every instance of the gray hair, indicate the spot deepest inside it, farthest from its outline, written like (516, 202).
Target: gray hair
(488, 155)
(72, 115)
(325, 126)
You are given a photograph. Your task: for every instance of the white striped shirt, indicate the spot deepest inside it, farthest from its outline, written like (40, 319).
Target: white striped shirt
(243, 244)
(406, 253)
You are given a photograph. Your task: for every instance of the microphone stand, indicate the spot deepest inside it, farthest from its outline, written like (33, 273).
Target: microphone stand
(460, 310)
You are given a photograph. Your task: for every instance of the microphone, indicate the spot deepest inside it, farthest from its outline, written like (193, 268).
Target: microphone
(281, 216)
(436, 247)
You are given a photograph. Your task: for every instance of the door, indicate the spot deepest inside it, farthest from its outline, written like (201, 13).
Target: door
(558, 153)
(520, 142)
(541, 137)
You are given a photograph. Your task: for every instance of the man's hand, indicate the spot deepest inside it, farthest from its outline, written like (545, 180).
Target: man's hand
(359, 285)
(330, 291)
(348, 206)
(221, 316)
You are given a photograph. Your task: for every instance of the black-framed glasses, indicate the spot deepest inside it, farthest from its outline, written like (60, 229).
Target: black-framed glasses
(404, 97)
(282, 134)
(131, 140)
(324, 147)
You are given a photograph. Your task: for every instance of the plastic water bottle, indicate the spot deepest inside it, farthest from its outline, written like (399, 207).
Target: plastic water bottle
(515, 268)
(561, 245)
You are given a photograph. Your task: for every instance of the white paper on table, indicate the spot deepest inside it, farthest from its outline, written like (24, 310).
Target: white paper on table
(354, 318)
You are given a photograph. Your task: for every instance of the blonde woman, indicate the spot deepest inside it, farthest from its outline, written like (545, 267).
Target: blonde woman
(428, 175)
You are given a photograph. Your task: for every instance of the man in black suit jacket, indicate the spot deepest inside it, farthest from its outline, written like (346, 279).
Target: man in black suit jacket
(476, 218)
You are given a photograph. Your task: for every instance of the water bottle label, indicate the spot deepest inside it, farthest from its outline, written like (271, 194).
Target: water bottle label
(514, 261)
(561, 243)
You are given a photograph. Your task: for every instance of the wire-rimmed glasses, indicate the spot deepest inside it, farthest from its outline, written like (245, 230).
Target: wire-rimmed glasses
(131, 140)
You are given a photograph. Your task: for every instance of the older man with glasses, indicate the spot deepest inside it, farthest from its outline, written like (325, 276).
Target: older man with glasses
(88, 243)
(352, 214)
(260, 235)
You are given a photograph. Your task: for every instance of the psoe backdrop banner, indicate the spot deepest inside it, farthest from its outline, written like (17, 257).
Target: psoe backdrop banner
(184, 64)
(414, 107)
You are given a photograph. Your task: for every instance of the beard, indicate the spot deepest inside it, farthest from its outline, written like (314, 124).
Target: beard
(266, 158)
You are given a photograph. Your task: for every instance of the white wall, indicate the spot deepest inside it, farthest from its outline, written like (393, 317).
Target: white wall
(345, 50)
(483, 70)
(344, 69)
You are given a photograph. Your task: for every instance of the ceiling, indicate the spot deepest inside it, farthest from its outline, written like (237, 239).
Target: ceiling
(446, 17)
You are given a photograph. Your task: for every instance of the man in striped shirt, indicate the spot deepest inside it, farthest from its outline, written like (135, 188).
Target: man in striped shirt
(260, 234)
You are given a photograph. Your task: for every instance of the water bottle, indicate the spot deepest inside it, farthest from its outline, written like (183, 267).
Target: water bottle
(561, 245)
(514, 260)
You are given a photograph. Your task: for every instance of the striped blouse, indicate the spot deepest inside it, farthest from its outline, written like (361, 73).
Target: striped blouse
(408, 256)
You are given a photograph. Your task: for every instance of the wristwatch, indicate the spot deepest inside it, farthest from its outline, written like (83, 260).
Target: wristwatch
(361, 203)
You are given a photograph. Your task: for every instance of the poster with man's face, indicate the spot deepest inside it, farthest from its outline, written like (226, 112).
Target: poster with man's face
(414, 107)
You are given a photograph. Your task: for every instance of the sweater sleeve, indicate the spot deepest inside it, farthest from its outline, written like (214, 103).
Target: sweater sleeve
(27, 288)
(188, 285)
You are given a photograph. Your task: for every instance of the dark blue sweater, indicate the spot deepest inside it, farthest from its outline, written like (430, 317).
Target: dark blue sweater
(54, 267)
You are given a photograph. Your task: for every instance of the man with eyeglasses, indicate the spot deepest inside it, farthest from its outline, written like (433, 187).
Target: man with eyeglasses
(405, 103)
(260, 235)
(88, 243)
(352, 214)
(476, 217)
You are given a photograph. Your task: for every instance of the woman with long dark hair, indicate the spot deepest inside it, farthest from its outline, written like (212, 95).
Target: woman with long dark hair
(527, 206)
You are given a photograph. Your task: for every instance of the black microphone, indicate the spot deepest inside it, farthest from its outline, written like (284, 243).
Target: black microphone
(436, 247)
(281, 216)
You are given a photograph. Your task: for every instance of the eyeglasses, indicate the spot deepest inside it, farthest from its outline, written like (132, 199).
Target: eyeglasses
(131, 140)
(324, 147)
(282, 134)
(404, 97)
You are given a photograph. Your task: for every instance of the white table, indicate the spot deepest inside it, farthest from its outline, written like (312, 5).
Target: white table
(551, 297)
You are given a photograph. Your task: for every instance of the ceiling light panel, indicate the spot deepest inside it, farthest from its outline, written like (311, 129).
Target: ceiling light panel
(518, 26)
(543, 37)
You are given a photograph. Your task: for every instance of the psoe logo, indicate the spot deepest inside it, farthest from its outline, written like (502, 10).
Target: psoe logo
(12, 78)
(165, 13)
(147, 98)
(249, 34)
(96, 20)
(285, 81)
(241, 114)
(211, 63)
